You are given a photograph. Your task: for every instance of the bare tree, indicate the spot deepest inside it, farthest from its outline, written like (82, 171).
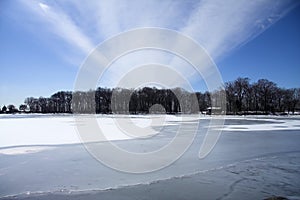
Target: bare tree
(266, 92)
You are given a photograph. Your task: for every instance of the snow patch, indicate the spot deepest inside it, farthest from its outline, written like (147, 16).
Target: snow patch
(23, 150)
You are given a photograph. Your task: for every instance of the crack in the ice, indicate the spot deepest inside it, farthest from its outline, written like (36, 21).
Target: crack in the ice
(231, 189)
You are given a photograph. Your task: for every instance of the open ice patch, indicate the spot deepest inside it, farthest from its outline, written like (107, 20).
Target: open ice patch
(269, 124)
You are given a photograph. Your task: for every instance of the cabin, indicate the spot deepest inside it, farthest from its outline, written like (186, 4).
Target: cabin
(214, 110)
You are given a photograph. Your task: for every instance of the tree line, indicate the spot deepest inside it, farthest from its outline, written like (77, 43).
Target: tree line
(242, 97)
(263, 96)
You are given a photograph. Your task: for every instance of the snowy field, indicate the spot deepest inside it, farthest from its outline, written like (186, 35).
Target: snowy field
(43, 155)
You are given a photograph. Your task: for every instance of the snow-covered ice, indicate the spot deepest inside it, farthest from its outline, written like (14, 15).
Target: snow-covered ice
(28, 130)
(42, 153)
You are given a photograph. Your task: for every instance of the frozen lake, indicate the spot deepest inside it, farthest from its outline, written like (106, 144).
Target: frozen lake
(42, 154)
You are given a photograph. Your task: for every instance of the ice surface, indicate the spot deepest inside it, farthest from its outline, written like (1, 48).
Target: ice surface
(270, 124)
(28, 130)
(42, 153)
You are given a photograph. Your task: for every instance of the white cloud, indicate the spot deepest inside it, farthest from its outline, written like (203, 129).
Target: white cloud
(59, 23)
(219, 26)
(44, 7)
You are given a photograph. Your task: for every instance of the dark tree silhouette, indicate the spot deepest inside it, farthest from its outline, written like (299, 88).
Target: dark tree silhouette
(4, 109)
(22, 107)
(266, 94)
(11, 109)
(261, 97)
(242, 97)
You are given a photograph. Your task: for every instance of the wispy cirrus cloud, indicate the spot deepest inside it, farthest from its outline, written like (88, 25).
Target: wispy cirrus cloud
(62, 25)
(219, 26)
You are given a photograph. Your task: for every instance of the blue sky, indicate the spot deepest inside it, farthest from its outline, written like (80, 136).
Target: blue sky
(43, 43)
